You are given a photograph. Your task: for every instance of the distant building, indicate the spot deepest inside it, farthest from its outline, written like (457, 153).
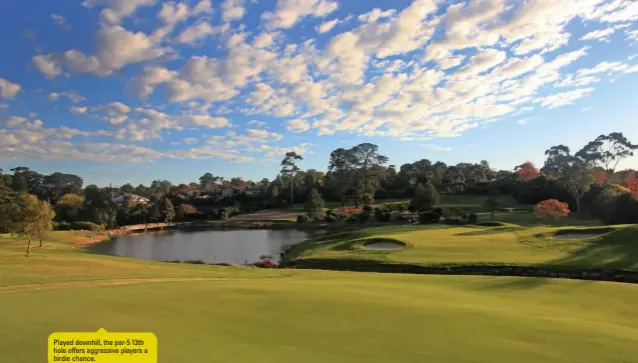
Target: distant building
(135, 199)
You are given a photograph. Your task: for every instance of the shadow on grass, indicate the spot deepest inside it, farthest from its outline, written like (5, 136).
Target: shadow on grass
(614, 250)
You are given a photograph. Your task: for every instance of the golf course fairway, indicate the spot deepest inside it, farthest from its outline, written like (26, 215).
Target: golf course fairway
(210, 314)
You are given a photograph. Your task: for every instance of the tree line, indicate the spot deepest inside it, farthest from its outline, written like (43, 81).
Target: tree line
(586, 180)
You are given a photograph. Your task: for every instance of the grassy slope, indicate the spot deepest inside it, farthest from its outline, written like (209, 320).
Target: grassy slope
(246, 315)
(509, 244)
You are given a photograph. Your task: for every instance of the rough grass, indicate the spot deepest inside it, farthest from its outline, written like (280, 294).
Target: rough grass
(208, 313)
(508, 244)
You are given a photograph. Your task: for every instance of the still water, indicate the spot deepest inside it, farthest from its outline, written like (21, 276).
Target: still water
(234, 246)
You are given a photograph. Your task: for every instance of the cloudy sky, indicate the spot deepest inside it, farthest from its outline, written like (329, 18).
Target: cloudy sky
(136, 90)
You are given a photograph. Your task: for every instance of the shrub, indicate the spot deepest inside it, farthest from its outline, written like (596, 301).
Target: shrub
(367, 208)
(551, 210)
(363, 217)
(368, 198)
(352, 219)
(342, 216)
(76, 226)
(61, 226)
(438, 210)
(303, 218)
(330, 218)
(616, 205)
(228, 212)
(429, 217)
(453, 221)
(331, 212)
(401, 207)
(472, 218)
(266, 263)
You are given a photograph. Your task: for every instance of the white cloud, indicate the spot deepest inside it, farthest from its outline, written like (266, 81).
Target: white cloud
(208, 121)
(233, 10)
(3, 106)
(77, 110)
(151, 77)
(71, 95)
(257, 123)
(527, 120)
(298, 125)
(289, 12)
(603, 35)
(326, 26)
(190, 140)
(375, 14)
(604, 67)
(173, 13)
(197, 32)
(571, 81)
(433, 69)
(61, 21)
(47, 65)
(14, 121)
(116, 48)
(264, 40)
(116, 10)
(563, 99)
(8, 90)
(482, 62)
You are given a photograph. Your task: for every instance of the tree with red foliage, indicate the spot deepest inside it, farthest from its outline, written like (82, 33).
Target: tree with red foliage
(551, 210)
(632, 183)
(527, 171)
(600, 177)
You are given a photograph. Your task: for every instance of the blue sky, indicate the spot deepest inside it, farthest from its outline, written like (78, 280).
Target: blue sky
(135, 90)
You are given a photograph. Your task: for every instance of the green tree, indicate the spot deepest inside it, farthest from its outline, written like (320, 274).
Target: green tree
(314, 204)
(127, 188)
(31, 218)
(44, 220)
(69, 207)
(607, 151)
(289, 169)
(167, 211)
(574, 172)
(425, 197)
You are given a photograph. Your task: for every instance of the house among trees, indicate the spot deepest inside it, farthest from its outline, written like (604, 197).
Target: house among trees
(132, 198)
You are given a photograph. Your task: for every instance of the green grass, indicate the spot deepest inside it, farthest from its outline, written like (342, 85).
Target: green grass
(209, 313)
(509, 244)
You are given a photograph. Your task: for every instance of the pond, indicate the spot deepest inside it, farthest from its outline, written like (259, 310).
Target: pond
(232, 247)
